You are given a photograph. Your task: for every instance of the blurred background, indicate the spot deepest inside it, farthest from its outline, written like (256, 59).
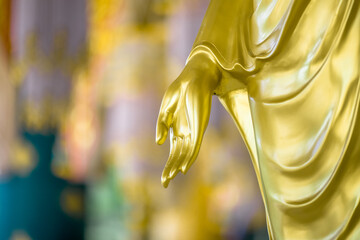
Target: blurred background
(81, 83)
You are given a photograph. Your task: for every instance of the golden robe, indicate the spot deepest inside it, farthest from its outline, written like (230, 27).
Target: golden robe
(291, 83)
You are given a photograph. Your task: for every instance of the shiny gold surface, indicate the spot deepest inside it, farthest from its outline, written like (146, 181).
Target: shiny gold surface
(288, 74)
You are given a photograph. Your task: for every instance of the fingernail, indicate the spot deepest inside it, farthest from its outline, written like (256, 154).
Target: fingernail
(165, 183)
(163, 178)
(157, 140)
(160, 135)
(183, 168)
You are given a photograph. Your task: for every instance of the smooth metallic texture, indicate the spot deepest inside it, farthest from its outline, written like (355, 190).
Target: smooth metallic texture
(288, 73)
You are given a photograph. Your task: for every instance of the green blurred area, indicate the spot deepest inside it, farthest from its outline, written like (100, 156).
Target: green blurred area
(83, 82)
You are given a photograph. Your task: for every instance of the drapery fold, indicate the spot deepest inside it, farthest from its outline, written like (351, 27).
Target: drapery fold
(291, 83)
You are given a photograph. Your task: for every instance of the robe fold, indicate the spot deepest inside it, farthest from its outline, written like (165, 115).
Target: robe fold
(290, 80)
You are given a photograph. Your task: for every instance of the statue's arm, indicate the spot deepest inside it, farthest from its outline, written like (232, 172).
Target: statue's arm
(216, 55)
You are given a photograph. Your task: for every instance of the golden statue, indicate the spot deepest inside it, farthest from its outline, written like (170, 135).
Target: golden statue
(288, 74)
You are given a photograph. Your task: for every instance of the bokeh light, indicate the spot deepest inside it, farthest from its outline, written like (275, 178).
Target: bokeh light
(81, 84)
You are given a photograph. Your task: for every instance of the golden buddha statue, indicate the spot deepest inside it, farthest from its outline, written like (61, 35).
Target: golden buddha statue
(288, 74)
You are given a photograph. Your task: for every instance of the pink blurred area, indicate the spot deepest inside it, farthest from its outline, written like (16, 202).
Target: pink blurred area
(92, 73)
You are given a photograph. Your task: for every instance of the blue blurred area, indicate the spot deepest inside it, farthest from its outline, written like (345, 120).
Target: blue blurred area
(87, 78)
(32, 204)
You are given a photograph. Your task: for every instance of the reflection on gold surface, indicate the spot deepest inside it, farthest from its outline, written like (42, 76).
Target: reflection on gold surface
(288, 74)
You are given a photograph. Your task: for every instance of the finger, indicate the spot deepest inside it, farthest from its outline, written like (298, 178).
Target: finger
(164, 176)
(161, 133)
(173, 158)
(182, 156)
(194, 148)
(165, 117)
(174, 154)
(162, 127)
(176, 158)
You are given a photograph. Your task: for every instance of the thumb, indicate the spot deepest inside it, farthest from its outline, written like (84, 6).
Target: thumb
(161, 133)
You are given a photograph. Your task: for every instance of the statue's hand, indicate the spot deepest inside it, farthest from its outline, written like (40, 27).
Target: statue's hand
(185, 112)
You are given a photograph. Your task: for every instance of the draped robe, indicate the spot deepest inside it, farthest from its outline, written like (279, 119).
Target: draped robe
(290, 80)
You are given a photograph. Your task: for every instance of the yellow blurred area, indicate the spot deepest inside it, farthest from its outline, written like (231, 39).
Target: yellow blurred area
(105, 129)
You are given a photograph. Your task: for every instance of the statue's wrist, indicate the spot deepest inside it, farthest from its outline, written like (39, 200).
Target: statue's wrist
(203, 64)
